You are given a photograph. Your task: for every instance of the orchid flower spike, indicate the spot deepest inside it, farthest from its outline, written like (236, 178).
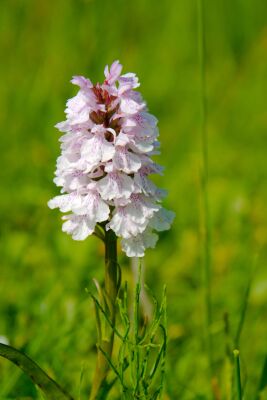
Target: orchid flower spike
(105, 164)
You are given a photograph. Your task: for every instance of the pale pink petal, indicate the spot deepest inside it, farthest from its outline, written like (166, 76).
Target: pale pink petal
(123, 225)
(96, 150)
(135, 246)
(66, 202)
(84, 83)
(115, 185)
(79, 227)
(122, 139)
(94, 207)
(146, 185)
(145, 145)
(127, 82)
(130, 106)
(126, 161)
(113, 74)
(141, 208)
(101, 211)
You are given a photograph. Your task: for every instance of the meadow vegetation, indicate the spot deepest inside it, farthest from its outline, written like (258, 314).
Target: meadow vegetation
(44, 307)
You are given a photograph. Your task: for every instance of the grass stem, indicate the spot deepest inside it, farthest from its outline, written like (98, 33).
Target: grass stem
(238, 375)
(205, 228)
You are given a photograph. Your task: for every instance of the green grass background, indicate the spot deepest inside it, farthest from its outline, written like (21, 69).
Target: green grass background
(44, 309)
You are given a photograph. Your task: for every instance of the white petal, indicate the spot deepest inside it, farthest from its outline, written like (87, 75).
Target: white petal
(122, 139)
(102, 211)
(114, 72)
(115, 185)
(128, 81)
(126, 161)
(117, 225)
(162, 220)
(76, 104)
(71, 181)
(77, 110)
(66, 202)
(79, 227)
(142, 146)
(149, 239)
(146, 185)
(135, 246)
(93, 207)
(123, 225)
(133, 218)
(108, 151)
(84, 83)
(141, 208)
(146, 120)
(95, 150)
(129, 122)
(63, 126)
(76, 180)
(91, 152)
(129, 106)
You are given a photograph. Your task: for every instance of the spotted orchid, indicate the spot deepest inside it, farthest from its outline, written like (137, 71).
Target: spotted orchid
(105, 164)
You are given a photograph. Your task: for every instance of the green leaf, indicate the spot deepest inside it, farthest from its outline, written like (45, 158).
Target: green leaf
(49, 387)
(263, 379)
(238, 375)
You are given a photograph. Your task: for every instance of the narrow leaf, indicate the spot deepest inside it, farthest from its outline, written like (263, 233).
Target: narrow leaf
(49, 387)
(245, 302)
(237, 375)
(263, 379)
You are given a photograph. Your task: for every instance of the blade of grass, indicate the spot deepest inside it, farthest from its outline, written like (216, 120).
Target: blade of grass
(204, 178)
(101, 309)
(237, 375)
(48, 386)
(263, 378)
(81, 380)
(245, 303)
(242, 315)
(161, 352)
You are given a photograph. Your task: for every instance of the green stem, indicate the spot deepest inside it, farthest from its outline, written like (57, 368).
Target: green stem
(204, 179)
(111, 272)
(105, 342)
(238, 375)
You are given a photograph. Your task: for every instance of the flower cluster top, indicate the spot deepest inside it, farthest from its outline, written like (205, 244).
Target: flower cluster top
(105, 164)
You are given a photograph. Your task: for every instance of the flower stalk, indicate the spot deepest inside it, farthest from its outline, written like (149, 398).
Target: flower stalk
(106, 336)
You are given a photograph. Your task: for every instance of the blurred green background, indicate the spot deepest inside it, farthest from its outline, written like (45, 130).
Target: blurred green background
(44, 309)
